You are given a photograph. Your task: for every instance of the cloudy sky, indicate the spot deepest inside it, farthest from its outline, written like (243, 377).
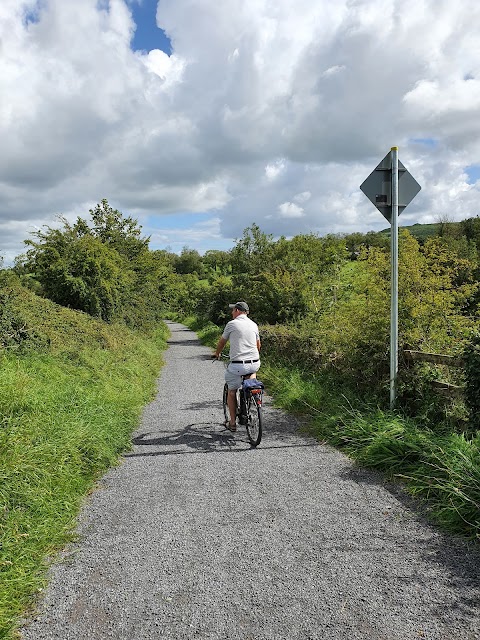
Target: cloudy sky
(199, 117)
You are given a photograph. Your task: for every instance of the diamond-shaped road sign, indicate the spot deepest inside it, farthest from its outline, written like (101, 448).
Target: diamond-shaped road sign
(378, 187)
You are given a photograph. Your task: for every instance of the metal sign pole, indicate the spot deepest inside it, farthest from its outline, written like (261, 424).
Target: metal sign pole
(394, 282)
(390, 187)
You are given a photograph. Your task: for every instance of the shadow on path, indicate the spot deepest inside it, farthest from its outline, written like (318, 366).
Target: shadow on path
(197, 438)
(190, 436)
(184, 343)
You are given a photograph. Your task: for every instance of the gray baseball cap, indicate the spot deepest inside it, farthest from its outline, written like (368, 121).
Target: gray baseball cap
(241, 306)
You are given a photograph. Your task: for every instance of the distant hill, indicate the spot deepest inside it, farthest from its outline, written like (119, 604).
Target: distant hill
(420, 231)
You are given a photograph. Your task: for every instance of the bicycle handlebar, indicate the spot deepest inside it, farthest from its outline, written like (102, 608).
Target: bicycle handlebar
(222, 356)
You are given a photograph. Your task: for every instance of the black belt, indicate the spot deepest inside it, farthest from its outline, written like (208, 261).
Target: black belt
(244, 361)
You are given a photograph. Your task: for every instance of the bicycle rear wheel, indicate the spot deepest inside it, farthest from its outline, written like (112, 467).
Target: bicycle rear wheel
(254, 421)
(225, 403)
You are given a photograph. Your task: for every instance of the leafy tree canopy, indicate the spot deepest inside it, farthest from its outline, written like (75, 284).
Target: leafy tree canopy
(94, 269)
(115, 230)
(190, 261)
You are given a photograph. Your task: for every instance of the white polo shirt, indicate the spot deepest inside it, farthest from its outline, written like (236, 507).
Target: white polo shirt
(243, 335)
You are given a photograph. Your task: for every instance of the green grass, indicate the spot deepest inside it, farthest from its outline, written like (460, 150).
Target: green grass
(66, 413)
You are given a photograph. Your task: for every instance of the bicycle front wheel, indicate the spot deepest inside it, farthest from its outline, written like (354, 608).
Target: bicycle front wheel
(225, 402)
(254, 421)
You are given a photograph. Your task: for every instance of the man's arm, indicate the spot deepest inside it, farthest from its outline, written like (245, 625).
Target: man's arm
(221, 343)
(259, 345)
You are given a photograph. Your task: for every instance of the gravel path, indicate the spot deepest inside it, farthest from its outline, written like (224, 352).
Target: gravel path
(195, 535)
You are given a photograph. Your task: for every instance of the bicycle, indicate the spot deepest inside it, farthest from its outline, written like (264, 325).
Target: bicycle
(249, 406)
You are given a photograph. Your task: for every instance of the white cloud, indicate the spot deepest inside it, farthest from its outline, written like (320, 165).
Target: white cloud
(290, 210)
(261, 103)
(234, 55)
(168, 68)
(302, 197)
(333, 70)
(202, 236)
(272, 171)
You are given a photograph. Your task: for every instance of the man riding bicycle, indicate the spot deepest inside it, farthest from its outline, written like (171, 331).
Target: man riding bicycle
(244, 354)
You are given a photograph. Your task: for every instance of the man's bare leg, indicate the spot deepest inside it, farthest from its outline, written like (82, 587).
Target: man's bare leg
(232, 406)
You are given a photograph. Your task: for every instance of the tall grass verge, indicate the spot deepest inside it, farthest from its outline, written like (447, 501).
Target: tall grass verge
(65, 415)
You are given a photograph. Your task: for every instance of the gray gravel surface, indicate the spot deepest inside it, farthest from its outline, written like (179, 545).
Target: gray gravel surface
(196, 535)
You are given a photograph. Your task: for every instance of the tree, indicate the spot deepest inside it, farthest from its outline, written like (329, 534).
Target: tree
(252, 251)
(355, 241)
(219, 262)
(115, 230)
(447, 227)
(98, 270)
(77, 270)
(471, 230)
(190, 261)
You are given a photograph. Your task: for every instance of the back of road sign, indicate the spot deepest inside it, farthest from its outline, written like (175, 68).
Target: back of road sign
(378, 187)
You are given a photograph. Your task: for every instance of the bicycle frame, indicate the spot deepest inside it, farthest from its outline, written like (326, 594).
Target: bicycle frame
(249, 399)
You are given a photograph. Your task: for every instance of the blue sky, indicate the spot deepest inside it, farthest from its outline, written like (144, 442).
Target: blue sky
(473, 173)
(147, 35)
